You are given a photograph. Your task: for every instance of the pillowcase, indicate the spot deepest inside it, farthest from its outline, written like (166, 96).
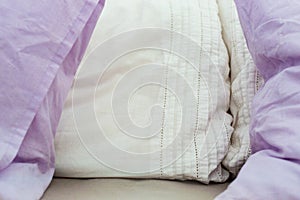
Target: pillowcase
(150, 99)
(245, 82)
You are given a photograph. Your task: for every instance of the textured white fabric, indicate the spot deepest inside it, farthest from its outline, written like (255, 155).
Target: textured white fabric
(245, 81)
(78, 151)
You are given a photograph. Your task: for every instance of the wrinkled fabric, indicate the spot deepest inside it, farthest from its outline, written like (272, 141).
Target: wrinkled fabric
(272, 30)
(41, 44)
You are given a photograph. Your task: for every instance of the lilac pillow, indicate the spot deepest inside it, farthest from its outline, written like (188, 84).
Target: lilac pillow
(42, 43)
(272, 30)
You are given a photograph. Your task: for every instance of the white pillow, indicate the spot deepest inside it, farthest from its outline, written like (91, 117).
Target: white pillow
(111, 125)
(245, 81)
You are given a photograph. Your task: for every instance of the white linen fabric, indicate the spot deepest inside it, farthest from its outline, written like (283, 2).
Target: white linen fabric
(117, 123)
(245, 82)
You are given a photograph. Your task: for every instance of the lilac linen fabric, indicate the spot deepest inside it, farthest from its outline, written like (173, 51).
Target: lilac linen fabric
(272, 30)
(41, 45)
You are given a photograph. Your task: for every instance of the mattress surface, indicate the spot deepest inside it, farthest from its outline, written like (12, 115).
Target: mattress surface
(90, 189)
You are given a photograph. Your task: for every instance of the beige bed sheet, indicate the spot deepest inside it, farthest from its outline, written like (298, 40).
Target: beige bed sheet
(126, 189)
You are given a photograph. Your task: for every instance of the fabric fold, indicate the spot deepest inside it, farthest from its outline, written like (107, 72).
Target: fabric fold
(42, 45)
(272, 30)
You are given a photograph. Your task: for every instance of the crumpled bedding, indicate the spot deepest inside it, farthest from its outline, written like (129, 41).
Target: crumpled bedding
(272, 30)
(42, 43)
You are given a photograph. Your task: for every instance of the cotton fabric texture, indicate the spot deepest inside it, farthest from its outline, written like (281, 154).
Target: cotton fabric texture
(245, 82)
(42, 44)
(113, 148)
(272, 31)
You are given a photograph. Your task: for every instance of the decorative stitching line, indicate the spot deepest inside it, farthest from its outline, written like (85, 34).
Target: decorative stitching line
(166, 89)
(198, 97)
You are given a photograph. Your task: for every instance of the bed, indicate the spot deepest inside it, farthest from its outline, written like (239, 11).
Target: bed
(152, 99)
